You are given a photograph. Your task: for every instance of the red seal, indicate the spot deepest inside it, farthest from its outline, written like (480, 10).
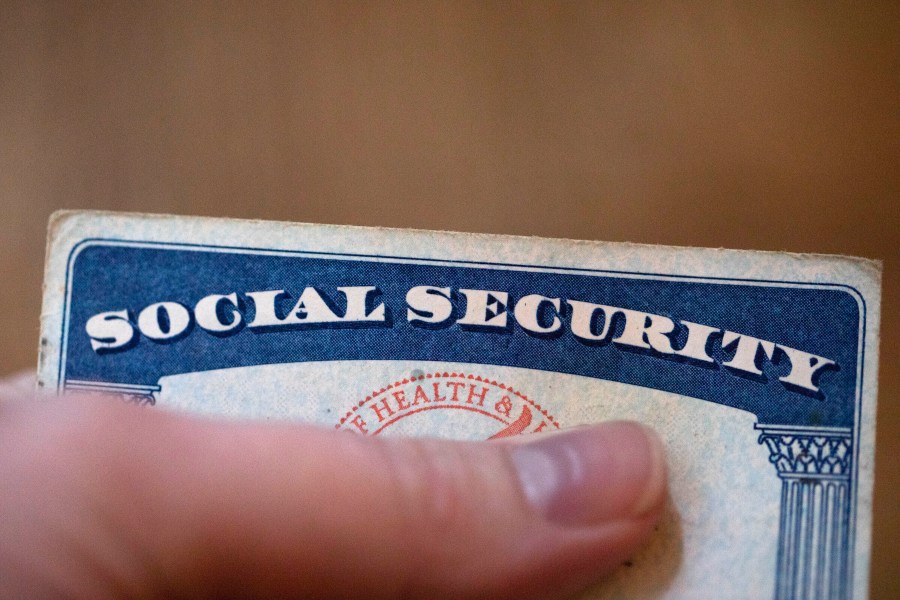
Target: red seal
(438, 403)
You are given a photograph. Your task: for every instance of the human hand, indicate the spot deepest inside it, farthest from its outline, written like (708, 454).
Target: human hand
(103, 499)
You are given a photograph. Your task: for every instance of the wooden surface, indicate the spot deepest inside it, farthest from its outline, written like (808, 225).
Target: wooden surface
(745, 126)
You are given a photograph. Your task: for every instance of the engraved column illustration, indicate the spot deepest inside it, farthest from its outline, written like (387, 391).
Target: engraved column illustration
(814, 464)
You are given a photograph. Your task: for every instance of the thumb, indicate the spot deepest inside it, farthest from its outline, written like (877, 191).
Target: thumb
(175, 505)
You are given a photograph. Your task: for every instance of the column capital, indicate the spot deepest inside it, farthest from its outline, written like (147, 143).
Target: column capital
(142, 395)
(818, 452)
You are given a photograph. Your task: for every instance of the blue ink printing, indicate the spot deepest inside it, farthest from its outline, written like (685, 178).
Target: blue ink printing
(789, 353)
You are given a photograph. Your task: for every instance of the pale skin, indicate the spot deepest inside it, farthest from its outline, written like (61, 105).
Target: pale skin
(106, 500)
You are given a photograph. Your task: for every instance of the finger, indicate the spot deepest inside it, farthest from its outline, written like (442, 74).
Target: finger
(183, 506)
(19, 384)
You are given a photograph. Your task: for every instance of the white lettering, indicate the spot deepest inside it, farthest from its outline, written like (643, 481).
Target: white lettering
(207, 313)
(583, 316)
(747, 350)
(528, 308)
(110, 331)
(356, 304)
(264, 302)
(803, 368)
(645, 330)
(164, 321)
(485, 308)
(695, 345)
(428, 304)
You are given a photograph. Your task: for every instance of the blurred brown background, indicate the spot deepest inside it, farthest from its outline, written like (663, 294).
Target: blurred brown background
(772, 127)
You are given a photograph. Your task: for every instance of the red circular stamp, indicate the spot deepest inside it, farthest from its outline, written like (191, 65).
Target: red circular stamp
(448, 405)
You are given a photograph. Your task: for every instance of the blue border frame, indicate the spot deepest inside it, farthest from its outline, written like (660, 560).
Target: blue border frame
(852, 291)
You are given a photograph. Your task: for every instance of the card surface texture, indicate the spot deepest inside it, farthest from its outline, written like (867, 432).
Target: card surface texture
(758, 369)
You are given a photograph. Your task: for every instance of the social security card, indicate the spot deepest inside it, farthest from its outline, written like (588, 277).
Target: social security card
(759, 370)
